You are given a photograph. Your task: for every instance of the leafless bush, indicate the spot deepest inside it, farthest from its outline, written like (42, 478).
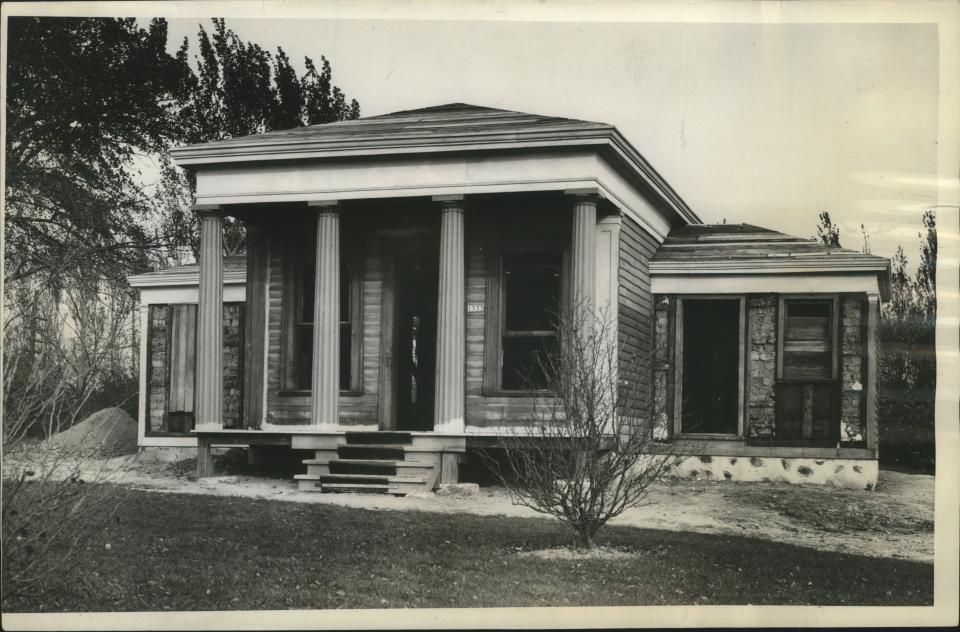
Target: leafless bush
(58, 348)
(589, 452)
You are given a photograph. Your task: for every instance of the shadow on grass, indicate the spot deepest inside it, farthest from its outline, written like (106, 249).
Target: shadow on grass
(183, 552)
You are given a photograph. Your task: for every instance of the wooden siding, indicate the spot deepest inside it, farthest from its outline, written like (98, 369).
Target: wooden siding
(293, 407)
(635, 314)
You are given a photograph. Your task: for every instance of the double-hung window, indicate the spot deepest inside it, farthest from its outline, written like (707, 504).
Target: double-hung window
(302, 326)
(529, 305)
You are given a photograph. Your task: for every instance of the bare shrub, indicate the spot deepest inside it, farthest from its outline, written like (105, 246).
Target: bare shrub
(589, 450)
(61, 347)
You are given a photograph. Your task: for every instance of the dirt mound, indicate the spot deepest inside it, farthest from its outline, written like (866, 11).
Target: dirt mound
(108, 432)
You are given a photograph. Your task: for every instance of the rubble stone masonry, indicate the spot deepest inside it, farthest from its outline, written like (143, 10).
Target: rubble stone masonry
(232, 364)
(158, 354)
(662, 367)
(851, 369)
(761, 365)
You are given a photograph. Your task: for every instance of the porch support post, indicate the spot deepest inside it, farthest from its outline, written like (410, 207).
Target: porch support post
(451, 336)
(584, 260)
(325, 382)
(209, 386)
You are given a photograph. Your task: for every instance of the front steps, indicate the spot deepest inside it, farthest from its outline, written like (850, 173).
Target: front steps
(395, 463)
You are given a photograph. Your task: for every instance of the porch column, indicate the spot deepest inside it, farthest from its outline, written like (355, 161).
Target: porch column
(208, 407)
(325, 381)
(584, 259)
(451, 336)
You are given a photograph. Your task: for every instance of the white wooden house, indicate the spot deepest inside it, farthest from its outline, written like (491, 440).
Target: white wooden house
(401, 270)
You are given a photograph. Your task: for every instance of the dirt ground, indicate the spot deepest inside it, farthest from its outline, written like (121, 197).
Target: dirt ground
(895, 520)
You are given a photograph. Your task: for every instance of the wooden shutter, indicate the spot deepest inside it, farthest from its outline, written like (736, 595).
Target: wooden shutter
(183, 357)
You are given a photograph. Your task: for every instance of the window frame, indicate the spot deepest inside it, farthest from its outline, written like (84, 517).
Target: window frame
(292, 307)
(833, 381)
(495, 326)
(678, 368)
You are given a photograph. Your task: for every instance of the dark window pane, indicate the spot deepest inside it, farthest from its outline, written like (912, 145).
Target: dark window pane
(304, 335)
(345, 357)
(523, 357)
(307, 277)
(344, 293)
(532, 291)
(304, 347)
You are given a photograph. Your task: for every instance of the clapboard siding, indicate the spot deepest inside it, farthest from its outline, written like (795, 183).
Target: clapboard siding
(635, 314)
(356, 408)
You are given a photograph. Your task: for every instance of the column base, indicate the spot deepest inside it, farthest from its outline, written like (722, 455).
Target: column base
(453, 427)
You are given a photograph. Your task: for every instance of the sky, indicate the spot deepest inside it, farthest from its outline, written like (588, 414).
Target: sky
(766, 124)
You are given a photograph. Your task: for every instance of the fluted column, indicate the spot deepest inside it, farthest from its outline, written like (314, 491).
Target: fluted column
(208, 407)
(325, 381)
(584, 259)
(451, 336)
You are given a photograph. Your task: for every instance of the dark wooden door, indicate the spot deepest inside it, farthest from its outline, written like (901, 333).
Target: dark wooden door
(416, 336)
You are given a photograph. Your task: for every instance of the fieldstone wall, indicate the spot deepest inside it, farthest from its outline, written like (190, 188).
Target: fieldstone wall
(158, 317)
(662, 368)
(232, 364)
(852, 420)
(839, 472)
(762, 365)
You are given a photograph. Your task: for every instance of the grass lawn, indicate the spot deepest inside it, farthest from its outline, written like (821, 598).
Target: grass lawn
(183, 552)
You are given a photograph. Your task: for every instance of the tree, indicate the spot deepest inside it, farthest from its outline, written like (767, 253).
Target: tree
(827, 232)
(591, 450)
(85, 98)
(907, 364)
(926, 280)
(239, 89)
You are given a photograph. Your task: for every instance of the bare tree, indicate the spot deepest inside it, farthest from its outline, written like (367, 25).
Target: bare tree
(589, 450)
(58, 348)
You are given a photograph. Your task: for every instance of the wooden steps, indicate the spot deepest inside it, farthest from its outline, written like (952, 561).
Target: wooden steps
(396, 463)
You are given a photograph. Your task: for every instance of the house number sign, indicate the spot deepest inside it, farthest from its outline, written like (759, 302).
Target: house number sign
(474, 308)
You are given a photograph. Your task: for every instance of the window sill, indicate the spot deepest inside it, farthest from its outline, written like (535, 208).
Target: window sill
(528, 394)
(708, 437)
(306, 393)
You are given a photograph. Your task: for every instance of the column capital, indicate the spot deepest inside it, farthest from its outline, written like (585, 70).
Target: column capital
(451, 202)
(587, 194)
(207, 210)
(325, 206)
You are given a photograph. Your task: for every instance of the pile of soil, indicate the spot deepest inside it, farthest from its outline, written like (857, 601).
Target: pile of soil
(109, 432)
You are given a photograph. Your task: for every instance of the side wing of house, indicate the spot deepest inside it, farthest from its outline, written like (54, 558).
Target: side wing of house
(765, 355)
(168, 347)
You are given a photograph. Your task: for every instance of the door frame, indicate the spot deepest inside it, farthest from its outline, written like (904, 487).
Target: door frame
(393, 248)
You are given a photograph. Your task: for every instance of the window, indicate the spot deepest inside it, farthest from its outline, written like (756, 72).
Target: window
(530, 303)
(302, 348)
(807, 392)
(710, 385)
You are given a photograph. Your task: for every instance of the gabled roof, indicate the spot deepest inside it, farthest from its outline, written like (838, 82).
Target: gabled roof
(445, 128)
(747, 249)
(234, 272)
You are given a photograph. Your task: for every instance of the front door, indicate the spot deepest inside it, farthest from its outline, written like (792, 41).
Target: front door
(416, 336)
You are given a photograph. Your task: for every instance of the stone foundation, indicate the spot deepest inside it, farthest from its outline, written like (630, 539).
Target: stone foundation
(849, 473)
(166, 454)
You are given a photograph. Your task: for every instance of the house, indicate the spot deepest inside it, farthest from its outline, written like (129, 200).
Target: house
(401, 270)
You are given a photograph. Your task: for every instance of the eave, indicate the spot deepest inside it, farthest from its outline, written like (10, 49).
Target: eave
(605, 139)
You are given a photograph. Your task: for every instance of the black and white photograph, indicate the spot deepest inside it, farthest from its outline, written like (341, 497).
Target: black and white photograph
(424, 315)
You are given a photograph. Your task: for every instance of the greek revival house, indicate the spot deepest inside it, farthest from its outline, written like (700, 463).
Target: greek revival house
(402, 270)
